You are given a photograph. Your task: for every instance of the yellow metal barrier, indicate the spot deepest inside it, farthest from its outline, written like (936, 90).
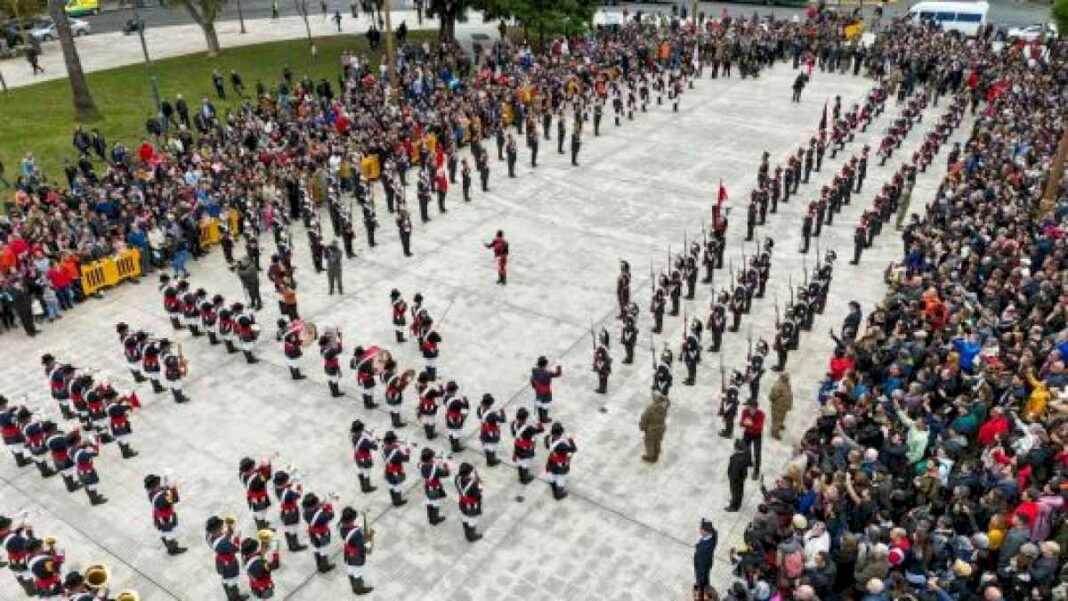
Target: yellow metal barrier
(92, 277)
(232, 219)
(109, 271)
(371, 167)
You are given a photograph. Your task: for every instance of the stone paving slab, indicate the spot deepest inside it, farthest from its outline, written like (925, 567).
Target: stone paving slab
(626, 531)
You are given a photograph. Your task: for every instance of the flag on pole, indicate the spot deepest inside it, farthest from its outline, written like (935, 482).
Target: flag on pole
(823, 119)
(721, 197)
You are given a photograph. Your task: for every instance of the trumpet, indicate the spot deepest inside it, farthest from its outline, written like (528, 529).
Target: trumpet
(50, 542)
(368, 534)
(184, 369)
(97, 576)
(268, 545)
(230, 521)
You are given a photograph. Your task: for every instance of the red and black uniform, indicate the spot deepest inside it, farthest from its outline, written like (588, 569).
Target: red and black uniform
(225, 547)
(45, 567)
(427, 410)
(394, 457)
(255, 479)
(258, 571)
(330, 350)
(400, 309)
(318, 517)
(172, 304)
(365, 377)
(456, 409)
(523, 446)
(561, 448)
(15, 544)
(131, 348)
(433, 471)
(355, 547)
(428, 346)
(165, 518)
(500, 253)
(489, 432)
(470, 491)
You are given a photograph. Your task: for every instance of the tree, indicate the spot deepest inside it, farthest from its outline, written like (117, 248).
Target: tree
(84, 107)
(204, 13)
(1059, 14)
(448, 12)
(545, 17)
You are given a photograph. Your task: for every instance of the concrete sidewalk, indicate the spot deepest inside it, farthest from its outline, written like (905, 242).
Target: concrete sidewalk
(110, 50)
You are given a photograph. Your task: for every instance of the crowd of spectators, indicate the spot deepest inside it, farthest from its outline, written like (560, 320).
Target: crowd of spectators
(937, 468)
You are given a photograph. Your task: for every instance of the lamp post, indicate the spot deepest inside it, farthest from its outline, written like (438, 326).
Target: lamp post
(153, 83)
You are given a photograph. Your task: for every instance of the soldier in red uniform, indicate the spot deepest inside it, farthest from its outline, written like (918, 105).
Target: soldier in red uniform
(330, 349)
(172, 303)
(317, 515)
(288, 491)
(289, 333)
(433, 470)
(489, 432)
(86, 450)
(131, 348)
(45, 564)
(523, 447)
(356, 546)
(163, 498)
(258, 569)
(254, 477)
(541, 380)
(394, 455)
(561, 448)
(469, 488)
(456, 409)
(400, 309)
(500, 254)
(224, 543)
(427, 410)
(362, 363)
(363, 445)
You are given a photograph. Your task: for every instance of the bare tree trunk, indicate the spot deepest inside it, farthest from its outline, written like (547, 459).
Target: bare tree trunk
(84, 107)
(212, 38)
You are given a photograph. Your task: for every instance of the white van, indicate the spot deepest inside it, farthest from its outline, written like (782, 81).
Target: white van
(965, 17)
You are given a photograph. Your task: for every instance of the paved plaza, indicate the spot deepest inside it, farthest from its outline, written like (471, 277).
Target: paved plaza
(628, 528)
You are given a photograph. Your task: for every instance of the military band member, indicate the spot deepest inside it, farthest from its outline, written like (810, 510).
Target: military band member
(36, 436)
(246, 330)
(226, 328)
(500, 254)
(404, 230)
(224, 543)
(45, 564)
(174, 370)
(257, 568)
(602, 366)
(362, 363)
(59, 375)
(674, 289)
(469, 489)
(395, 385)
(394, 456)
(330, 349)
(561, 448)
(356, 545)
(209, 317)
(754, 371)
(428, 346)
(172, 303)
(14, 539)
(255, 477)
(427, 410)
(291, 347)
(131, 348)
(523, 447)
(10, 429)
(433, 470)
(318, 515)
(85, 450)
(456, 409)
(59, 448)
(191, 310)
(363, 446)
(489, 434)
(513, 155)
(728, 403)
(541, 380)
(76, 589)
(163, 497)
(288, 491)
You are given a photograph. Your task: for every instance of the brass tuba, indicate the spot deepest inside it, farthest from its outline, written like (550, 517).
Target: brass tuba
(309, 334)
(97, 576)
(266, 537)
(128, 596)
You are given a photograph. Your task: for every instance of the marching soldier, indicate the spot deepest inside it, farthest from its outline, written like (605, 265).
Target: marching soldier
(470, 491)
(317, 515)
(691, 352)
(131, 347)
(224, 543)
(174, 370)
(58, 383)
(191, 310)
(394, 392)
(602, 366)
(576, 144)
(226, 329)
(728, 404)
(717, 320)
(489, 433)
(456, 409)
(689, 273)
(254, 477)
(427, 410)
(14, 540)
(541, 380)
(737, 304)
(404, 230)
(84, 453)
(755, 369)
(806, 227)
(288, 490)
(257, 568)
(172, 303)
(675, 292)
(662, 379)
(860, 240)
(36, 435)
(209, 317)
(433, 470)
(330, 349)
(356, 545)
(363, 447)
(523, 434)
(395, 456)
(46, 566)
(628, 337)
(657, 309)
(428, 346)
(163, 498)
(561, 449)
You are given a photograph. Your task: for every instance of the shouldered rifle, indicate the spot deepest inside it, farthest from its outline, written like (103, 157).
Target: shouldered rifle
(804, 269)
(685, 243)
(777, 311)
(749, 341)
(652, 354)
(722, 377)
(704, 236)
(730, 270)
(669, 260)
(790, 283)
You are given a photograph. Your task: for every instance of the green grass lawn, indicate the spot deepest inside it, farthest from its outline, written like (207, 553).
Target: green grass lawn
(40, 118)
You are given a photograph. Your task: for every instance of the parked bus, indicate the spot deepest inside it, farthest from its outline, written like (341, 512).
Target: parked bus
(965, 17)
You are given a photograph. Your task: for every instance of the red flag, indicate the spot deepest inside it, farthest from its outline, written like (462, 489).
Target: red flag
(721, 197)
(135, 403)
(823, 119)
